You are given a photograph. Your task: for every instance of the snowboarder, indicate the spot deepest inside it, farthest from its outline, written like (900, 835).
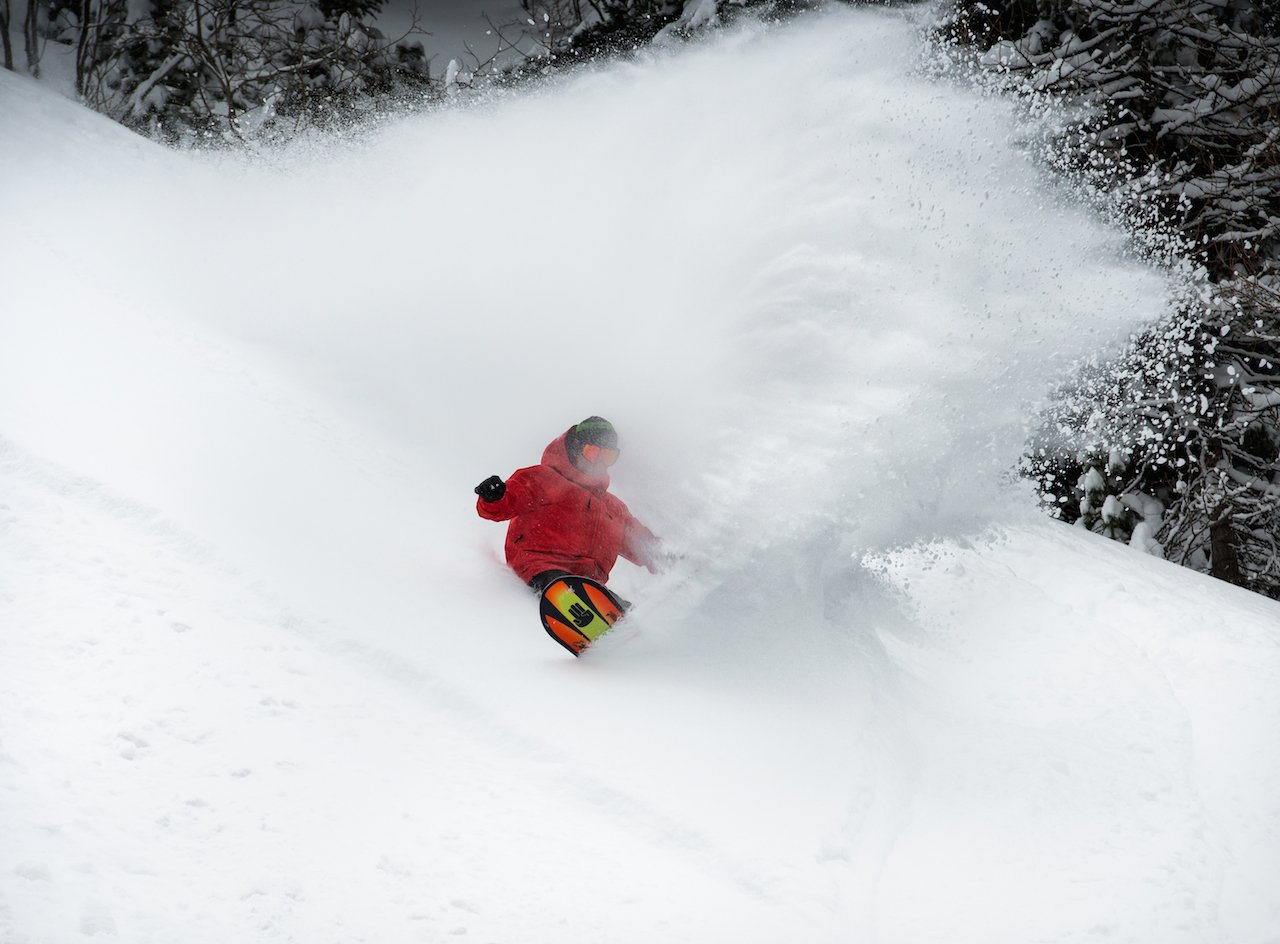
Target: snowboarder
(563, 518)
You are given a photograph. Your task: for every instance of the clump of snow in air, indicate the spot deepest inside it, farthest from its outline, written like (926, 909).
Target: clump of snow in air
(263, 674)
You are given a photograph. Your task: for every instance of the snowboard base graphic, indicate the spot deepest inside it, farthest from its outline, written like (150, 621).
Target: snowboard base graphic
(576, 611)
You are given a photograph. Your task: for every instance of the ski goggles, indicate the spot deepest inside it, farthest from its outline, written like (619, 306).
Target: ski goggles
(593, 454)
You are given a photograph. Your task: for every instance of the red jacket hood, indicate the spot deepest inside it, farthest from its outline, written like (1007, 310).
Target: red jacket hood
(556, 456)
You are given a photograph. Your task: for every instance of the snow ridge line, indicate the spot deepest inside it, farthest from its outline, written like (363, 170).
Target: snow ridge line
(28, 468)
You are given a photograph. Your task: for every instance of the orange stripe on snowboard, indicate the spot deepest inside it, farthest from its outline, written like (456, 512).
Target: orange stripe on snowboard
(603, 605)
(566, 635)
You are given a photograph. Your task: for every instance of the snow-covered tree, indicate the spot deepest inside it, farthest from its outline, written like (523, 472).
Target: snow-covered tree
(568, 31)
(223, 67)
(1189, 88)
(1184, 431)
(214, 65)
(1182, 133)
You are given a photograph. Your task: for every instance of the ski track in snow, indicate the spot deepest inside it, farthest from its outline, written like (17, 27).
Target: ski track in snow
(265, 678)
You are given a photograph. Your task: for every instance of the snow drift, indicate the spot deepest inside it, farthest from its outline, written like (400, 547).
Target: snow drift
(264, 674)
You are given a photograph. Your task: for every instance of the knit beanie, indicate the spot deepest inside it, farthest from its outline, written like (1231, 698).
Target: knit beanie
(594, 429)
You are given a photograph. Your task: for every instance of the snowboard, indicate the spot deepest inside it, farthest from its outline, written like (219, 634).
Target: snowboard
(576, 611)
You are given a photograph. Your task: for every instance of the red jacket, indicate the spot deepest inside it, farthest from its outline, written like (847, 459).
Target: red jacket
(563, 519)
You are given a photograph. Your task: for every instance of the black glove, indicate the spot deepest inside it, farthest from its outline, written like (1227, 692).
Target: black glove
(492, 489)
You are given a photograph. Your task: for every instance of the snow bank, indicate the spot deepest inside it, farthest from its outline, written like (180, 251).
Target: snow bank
(1090, 726)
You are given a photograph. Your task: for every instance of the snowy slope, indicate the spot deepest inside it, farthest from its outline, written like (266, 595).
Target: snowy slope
(265, 677)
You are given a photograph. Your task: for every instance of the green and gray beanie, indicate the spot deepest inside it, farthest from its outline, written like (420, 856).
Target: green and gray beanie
(594, 429)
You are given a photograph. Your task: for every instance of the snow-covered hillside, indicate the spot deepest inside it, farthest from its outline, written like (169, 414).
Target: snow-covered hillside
(263, 676)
